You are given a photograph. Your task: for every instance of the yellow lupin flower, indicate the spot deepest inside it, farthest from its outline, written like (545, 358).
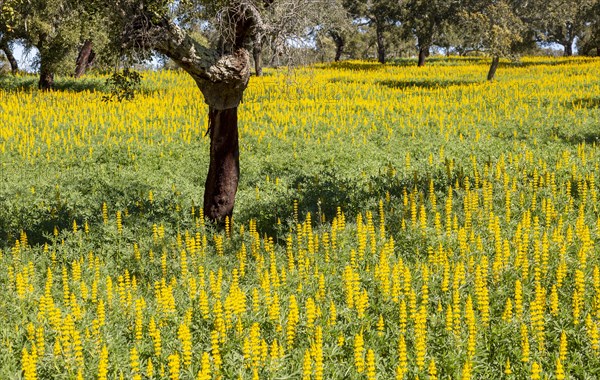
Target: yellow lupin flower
(432, 370)
(185, 336)
(536, 371)
(562, 350)
(205, 373)
(371, 365)
(134, 360)
(174, 367)
(103, 364)
(359, 348)
(507, 370)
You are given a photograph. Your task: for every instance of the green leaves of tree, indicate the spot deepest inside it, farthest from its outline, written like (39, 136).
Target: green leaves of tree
(123, 85)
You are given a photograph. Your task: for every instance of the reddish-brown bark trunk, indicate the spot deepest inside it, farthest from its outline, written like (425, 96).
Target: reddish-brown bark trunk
(85, 58)
(224, 169)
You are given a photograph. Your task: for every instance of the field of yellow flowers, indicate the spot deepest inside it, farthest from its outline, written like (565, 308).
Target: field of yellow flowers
(391, 222)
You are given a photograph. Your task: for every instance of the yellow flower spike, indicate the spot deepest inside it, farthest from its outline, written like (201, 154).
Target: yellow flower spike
(507, 370)
(380, 326)
(432, 370)
(371, 373)
(185, 337)
(560, 371)
(359, 347)
(134, 360)
(563, 347)
(103, 364)
(119, 222)
(174, 369)
(536, 371)
(150, 369)
(306, 366)
(318, 353)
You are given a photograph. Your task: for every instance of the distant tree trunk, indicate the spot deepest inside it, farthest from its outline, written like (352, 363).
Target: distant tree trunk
(339, 44)
(380, 43)
(85, 58)
(568, 52)
(339, 49)
(423, 53)
(14, 66)
(493, 68)
(46, 79)
(598, 51)
(224, 169)
(257, 54)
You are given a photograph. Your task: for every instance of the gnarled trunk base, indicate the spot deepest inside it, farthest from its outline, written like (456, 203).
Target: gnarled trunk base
(224, 170)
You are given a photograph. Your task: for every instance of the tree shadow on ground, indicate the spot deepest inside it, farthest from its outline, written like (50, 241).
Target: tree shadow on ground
(579, 138)
(354, 66)
(322, 194)
(585, 103)
(424, 84)
(548, 62)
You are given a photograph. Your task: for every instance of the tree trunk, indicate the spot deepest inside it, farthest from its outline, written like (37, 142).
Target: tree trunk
(380, 44)
(46, 80)
(339, 49)
(85, 58)
(493, 68)
(598, 51)
(224, 170)
(14, 66)
(339, 44)
(568, 49)
(222, 77)
(423, 53)
(46, 73)
(257, 54)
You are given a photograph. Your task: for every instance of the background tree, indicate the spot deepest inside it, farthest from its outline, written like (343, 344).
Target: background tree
(563, 21)
(426, 19)
(497, 28)
(93, 34)
(589, 40)
(380, 15)
(51, 26)
(8, 17)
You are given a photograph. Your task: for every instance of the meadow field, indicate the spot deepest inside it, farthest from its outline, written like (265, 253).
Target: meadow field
(391, 222)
